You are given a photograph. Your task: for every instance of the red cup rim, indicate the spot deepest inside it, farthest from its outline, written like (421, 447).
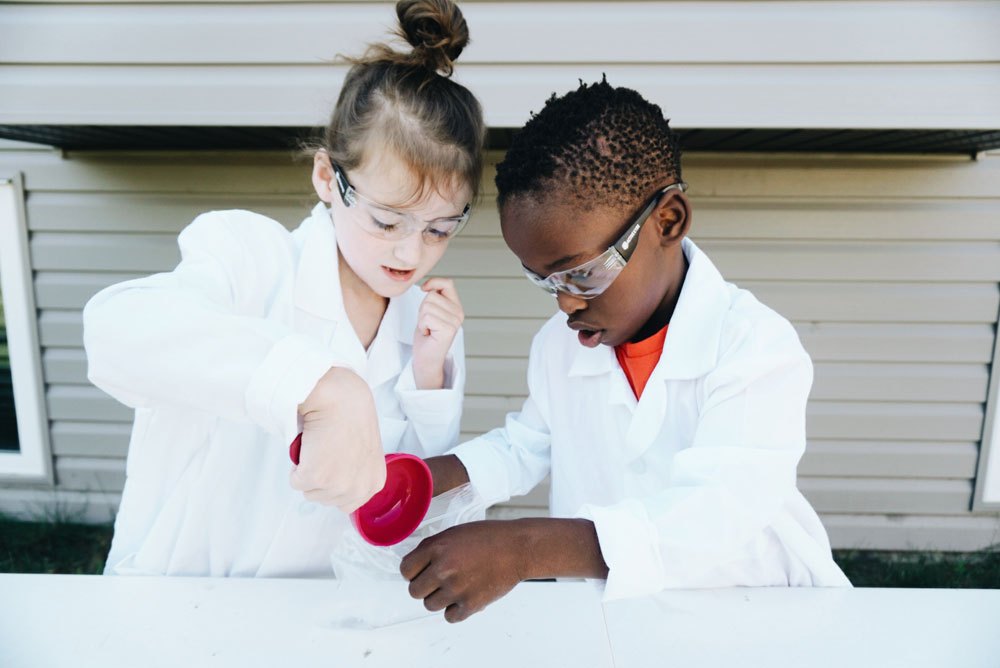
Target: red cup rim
(395, 512)
(399, 507)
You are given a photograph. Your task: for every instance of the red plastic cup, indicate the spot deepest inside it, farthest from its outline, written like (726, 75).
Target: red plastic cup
(399, 507)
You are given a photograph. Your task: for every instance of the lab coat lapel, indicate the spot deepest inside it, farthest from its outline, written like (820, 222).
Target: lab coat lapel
(647, 420)
(592, 361)
(319, 302)
(689, 352)
(601, 361)
(395, 336)
(690, 349)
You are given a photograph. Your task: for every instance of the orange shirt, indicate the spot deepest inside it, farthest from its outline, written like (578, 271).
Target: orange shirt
(638, 359)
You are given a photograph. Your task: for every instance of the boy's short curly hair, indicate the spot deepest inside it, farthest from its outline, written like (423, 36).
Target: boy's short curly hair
(597, 144)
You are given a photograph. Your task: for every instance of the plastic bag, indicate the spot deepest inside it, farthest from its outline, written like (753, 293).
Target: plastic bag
(359, 565)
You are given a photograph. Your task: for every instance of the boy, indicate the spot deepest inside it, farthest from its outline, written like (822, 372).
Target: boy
(668, 405)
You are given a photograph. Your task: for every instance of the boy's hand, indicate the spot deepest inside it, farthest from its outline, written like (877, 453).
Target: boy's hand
(341, 462)
(438, 321)
(465, 568)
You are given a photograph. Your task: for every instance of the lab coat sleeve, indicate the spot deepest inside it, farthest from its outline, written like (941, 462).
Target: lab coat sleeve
(196, 337)
(434, 416)
(731, 484)
(510, 460)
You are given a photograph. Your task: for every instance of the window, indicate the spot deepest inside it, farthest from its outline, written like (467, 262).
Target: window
(8, 421)
(24, 436)
(988, 478)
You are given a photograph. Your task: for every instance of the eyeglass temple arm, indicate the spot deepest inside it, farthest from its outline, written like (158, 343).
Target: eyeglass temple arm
(342, 185)
(626, 244)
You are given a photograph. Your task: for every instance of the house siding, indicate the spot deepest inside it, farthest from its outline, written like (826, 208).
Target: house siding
(774, 64)
(888, 268)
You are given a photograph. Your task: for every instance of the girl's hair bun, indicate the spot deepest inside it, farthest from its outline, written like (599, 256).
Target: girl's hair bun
(435, 29)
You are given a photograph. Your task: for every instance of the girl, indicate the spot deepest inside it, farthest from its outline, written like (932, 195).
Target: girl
(260, 334)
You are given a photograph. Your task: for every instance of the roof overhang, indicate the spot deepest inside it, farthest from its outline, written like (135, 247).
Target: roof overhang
(100, 137)
(874, 75)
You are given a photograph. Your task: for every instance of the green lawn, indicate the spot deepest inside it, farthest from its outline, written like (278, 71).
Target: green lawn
(59, 547)
(52, 547)
(869, 568)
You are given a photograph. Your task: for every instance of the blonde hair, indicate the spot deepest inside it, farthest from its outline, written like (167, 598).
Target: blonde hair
(407, 103)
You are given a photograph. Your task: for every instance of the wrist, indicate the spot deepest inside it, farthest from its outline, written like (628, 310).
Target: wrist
(559, 548)
(448, 472)
(428, 375)
(329, 388)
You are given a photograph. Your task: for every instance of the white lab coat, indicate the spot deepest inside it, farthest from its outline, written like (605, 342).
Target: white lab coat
(215, 357)
(694, 484)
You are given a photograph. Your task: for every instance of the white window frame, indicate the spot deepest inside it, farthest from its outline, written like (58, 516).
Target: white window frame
(33, 461)
(987, 496)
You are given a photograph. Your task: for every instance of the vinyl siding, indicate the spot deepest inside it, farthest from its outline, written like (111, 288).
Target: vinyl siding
(776, 64)
(888, 268)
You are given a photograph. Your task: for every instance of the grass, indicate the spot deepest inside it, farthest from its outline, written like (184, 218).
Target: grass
(956, 570)
(64, 547)
(53, 547)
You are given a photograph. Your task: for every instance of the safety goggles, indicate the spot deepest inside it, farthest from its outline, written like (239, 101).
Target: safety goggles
(388, 223)
(591, 278)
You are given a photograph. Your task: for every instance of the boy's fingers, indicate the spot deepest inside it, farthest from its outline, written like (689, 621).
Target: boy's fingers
(456, 612)
(415, 562)
(424, 584)
(437, 600)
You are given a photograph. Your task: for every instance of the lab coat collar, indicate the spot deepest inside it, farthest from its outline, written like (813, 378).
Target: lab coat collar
(395, 337)
(317, 291)
(385, 354)
(317, 281)
(691, 347)
(405, 308)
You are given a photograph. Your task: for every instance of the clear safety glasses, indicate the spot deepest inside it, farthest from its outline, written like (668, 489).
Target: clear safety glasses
(590, 279)
(387, 223)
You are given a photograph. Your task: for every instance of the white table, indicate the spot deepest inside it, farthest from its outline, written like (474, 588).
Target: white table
(818, 628)
(51, 620)
(143, 622)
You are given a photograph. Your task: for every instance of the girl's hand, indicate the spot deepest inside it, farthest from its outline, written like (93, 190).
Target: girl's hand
(438, 320)
(341, 462)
